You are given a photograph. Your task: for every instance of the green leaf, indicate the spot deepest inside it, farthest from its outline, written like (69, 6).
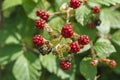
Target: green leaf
(10, 3)
(9, 53)
(49, 62)
(88, 71)
(82, 15)
(105, 2)
(31, 7)
(24, 68)
(116, 37)
(104, 48)
(111, 20)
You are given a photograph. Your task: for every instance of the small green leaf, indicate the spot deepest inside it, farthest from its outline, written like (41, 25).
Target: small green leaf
(9, 53)
(24, 68)
(10, 3)
(82, 15)
(116, 37)
(88, 71)
(104, 48)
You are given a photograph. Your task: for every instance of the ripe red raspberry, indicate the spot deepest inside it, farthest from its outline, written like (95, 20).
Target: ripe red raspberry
(96, 9)
(75, 4)
(65, 64)
(38, 40)
(84, 39)
(40, 24)
(74, 47)
(42, 14)
(67, 31)
(112, 63)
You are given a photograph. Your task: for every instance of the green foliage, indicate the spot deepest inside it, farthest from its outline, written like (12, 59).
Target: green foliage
(87, 70)
(104, 48)
(19, 62)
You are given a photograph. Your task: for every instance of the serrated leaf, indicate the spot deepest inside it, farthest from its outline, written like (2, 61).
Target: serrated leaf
(49, 62)
(87, 70)
(10, 3)
(9, 53)
(105, 2)
(116, 37)
(24, 67)
(104, 48)
(82, 15)
(111, 20)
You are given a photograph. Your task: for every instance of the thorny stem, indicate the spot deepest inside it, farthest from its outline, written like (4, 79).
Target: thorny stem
(92, 50)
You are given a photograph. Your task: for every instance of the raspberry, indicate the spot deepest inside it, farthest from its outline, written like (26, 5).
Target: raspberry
(75, 4)
(42, 14)
(74, 47)
(65, 64)
(38, 40)
(67, 31)
(40, 24)
(96, 9)
(112, 63)
(97, 22)
(84, 39)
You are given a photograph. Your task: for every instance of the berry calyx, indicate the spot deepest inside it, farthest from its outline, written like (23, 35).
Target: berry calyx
(94, 62)
(97, 22)
(65, 64)
(96, 9)
(84, 40)
(40, 24)
(74, 47)
(42, 14)
(38, 40)
(112, 63)
(75, 4)
(67, 31)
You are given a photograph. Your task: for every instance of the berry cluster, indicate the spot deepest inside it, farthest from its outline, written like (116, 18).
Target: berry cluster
(74, 41)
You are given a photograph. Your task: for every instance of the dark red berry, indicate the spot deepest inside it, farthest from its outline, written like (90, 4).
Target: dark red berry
(65, 64)
(75, 4)
(39, 12)
(40, 24)
(38, 40)
(84, 40)
(74, 47)
(42, 14)
(112, 63)
(67, 31)
(91, 25)
(97, 22)
(96, 9)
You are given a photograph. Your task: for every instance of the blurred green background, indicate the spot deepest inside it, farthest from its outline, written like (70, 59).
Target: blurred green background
(18, 60)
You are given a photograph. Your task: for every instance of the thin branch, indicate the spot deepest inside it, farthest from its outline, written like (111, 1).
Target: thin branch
(92, 50)
(96, 77)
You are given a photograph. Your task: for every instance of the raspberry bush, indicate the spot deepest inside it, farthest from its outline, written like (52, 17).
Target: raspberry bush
(59, 40)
